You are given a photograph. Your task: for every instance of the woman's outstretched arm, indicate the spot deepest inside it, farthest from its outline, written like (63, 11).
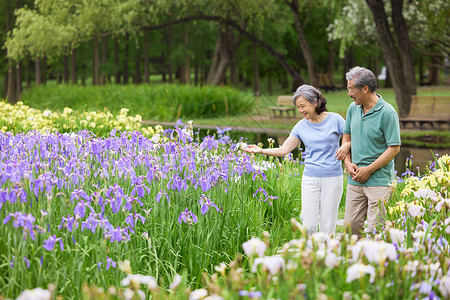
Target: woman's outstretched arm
(288, 145)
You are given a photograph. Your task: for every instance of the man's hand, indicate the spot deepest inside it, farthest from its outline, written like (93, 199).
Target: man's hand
(351, 168)
(362, 174)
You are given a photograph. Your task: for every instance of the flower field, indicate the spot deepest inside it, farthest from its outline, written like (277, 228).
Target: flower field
(20, 118)
(167, 215)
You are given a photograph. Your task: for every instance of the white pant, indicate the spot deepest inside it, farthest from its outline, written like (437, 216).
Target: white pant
(320, 202)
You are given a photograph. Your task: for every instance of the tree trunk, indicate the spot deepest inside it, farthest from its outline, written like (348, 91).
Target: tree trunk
(44, 70)
(330, 64)
(96, 64)
(117, 74)
(269, 83)
(256, 88)
(186, 72)
(125, 59)
(169, 41)
(233, 72)
(146, 56)
(19, 80)
(27, 73)
(434, 70)
(38, 72)
(104, 55)
(137, 68)
(73, 66)
(404, 45)
(66, 68)
(399, 62)
(226, 48)
(196, 71)
(304, 45)
(11, 89)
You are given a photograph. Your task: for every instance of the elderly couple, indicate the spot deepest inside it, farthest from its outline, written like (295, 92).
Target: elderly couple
(372, 132)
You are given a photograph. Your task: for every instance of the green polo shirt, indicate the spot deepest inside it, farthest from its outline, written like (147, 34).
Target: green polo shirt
(371, 134)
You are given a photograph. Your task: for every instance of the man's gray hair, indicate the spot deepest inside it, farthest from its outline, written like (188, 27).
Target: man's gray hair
(362, 77)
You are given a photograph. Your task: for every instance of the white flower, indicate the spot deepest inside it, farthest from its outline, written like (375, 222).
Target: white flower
(47, 113)
(128, 294)
(221, 268)
(427, 194)
(397, 235)
(254, 246)
(358, 270)
(331, 260)
(198, 294)
(35, 294)
(380, 251)
(176, 282)
(274, 264)
(415, 210)
(155, 138)
(241, 146)
(444, 286)
(447, 227)
(441, 204)
(149, 281)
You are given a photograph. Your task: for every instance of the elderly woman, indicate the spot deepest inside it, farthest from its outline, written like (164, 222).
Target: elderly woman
(322, 181)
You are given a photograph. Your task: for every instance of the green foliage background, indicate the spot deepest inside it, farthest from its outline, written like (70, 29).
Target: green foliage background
(152, 102)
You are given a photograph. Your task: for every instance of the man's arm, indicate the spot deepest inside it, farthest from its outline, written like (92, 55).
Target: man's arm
(363, 173)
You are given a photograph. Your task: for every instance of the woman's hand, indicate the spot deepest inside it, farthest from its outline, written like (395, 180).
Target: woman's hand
(342, 152)
(253, 149)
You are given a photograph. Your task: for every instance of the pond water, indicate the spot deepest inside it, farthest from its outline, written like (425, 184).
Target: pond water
(421, 157)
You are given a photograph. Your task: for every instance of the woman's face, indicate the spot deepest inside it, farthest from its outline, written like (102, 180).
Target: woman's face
(305, 107)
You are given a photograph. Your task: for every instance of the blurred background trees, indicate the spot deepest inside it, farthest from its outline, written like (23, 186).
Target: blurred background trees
(257, 44)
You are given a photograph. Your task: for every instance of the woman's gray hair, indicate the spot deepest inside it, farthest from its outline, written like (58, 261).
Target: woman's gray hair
(362, 77)
(312, 95)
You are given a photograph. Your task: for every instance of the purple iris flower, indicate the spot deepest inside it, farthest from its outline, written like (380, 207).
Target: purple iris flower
(160, 193)
(80, 208)
(250, 294)
(49, 243)
(129, 202)
(116, 234)
(27, 262)
(76, 194)
(187, 217)
(69, 223)
(259, 173)
(19, 194)
(408, 173)
(22, 220)
(140, 187)
(222, 131)
(110, 262)
(206, 203)
(260, 190)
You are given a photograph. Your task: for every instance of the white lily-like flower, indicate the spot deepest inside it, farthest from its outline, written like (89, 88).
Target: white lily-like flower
(254, 246)
(359, 270)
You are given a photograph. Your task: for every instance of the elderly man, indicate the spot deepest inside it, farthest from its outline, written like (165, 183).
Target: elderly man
(373, 128)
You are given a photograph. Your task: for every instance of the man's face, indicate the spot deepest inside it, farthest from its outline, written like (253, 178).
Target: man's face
(353, 92)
